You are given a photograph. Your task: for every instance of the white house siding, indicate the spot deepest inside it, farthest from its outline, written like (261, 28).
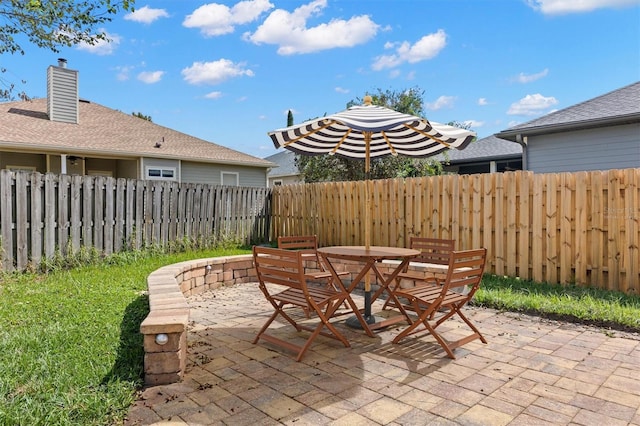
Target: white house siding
(285, 180)
(615, 147)
(212, 174)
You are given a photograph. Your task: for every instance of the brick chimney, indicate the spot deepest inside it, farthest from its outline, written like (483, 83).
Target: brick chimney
(62, 93)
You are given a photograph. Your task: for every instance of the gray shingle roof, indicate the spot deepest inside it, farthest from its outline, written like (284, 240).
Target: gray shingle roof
(489, 148)
(104, 131)
(617, 107)
(286, 161)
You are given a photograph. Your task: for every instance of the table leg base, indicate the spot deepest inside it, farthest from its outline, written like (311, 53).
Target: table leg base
(353, 321)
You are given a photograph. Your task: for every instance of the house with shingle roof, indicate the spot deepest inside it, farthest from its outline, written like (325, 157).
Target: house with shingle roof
(64, 134)
(486, 155)
(599, 134)
(285, 172)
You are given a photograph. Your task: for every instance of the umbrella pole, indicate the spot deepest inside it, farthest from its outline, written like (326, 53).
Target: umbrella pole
(370, 319)
(353, 321)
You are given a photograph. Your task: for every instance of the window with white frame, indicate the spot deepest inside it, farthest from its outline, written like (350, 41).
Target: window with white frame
(230, 178)
(161, 173)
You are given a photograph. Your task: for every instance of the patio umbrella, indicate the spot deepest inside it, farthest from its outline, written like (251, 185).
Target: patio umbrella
(369, 131)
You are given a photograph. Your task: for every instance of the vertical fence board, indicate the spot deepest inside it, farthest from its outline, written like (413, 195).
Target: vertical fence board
(524, 232)
(499, 225)
(37, 200)
(21, 228)
(551, 272)
(581, 252)
(109, 215)
(476, 212)
(538, 213)
(511, 221)
(598, 238)
(63, 213)
(76, 213)
(566, 214)
(487, 219)
(88, 188)
(632, 227)
(119, 228)
(51, 207)
(615, 208)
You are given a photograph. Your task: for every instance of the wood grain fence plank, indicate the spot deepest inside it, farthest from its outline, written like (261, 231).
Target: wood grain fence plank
(21, 224)
(632, 227)
(582, 250)
(35, 220)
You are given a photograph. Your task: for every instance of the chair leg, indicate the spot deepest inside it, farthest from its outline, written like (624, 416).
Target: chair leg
(324, 321)
(278, 311)
(423, 319)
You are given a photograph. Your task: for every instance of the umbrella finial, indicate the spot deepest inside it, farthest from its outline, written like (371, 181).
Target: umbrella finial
(368, 100)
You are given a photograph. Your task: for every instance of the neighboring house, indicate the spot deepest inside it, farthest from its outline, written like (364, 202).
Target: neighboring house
(67, 135)
(286, 171)
(599, 134)
(486, 155)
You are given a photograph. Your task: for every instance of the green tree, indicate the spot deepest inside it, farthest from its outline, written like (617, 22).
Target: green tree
(141, 115)
(325, 168)
(52, 24)
(289, 118)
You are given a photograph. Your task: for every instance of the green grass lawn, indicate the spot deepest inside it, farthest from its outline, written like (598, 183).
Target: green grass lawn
(71, 351)
(70, 348)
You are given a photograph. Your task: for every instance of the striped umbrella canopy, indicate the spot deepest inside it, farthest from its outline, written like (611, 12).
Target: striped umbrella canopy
(370, 131)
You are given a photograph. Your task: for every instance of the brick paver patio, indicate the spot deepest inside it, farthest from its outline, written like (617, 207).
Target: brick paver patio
(532, 372)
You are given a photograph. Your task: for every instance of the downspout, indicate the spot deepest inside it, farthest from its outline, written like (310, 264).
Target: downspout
(523, 141)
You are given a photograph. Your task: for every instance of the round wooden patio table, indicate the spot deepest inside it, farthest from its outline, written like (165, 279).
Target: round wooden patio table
(368, 256)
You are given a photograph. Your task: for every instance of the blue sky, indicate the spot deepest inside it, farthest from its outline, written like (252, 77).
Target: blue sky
(228, 72)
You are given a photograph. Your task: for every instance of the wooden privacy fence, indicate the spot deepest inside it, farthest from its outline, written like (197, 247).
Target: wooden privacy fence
(578, 228)
(41, 215)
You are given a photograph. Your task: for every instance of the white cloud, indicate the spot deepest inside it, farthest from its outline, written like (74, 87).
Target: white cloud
(561, 7)
(441, 102)
(146, 15)
(532, 105)
(289, 30)
(482, 101)
(214, 72)
(216, 19)
(427, 47)
(341, 90)
(528, 78)
(213, 95)
(150, 77)
(101, 47)
(123, 72)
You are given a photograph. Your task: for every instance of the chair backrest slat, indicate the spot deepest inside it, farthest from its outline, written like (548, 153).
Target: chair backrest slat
(432, 250)
(277, 266)
(465, 269)
(307, 243)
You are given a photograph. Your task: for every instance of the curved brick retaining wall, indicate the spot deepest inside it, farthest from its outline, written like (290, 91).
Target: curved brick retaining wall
(165, 328)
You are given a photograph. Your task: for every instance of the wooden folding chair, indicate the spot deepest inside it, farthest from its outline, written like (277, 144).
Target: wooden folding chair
(431, 298)
(432, 262)
(308, 245)
(285, 268)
